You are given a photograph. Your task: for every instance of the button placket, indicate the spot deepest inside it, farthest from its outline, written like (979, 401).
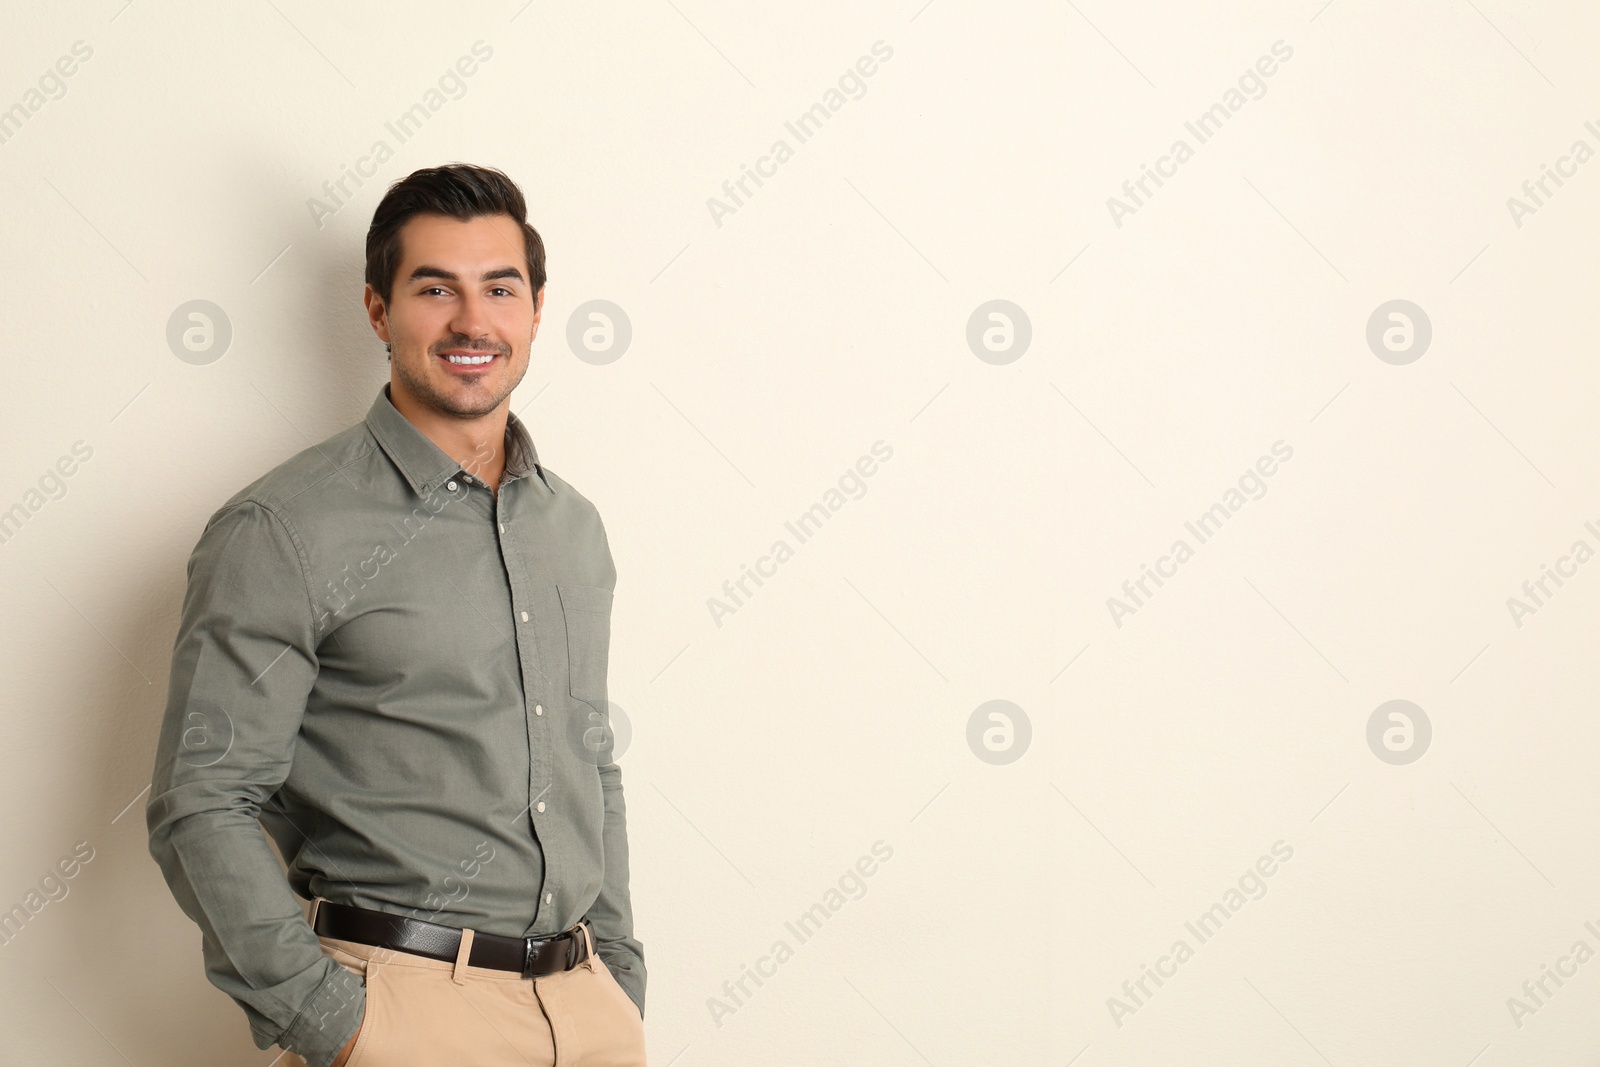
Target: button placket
(541, 772)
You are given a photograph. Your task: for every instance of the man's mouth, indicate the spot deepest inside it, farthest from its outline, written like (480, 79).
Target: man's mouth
(469, 359)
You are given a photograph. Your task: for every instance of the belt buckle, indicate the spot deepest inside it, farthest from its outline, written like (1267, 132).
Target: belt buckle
(574, 947)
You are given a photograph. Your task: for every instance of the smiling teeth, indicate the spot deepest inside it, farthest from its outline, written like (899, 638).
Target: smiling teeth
(468, 361)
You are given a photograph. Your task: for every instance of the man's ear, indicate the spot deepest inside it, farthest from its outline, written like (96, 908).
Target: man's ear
(377, 315)
(538, 312)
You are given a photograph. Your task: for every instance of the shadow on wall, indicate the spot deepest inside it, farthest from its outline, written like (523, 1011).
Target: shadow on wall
(304, 365)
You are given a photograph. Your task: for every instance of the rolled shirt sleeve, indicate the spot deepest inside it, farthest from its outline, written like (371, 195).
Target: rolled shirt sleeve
(245, 660)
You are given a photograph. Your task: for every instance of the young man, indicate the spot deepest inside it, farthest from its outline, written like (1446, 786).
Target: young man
(393, 655)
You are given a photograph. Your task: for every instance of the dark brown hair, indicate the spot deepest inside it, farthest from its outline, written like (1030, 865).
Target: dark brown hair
(458, 190)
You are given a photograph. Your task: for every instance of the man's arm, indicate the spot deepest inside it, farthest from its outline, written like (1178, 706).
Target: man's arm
(612, 911)
(244, 662)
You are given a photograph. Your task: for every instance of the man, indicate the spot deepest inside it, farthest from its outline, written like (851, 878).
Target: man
(393, 655)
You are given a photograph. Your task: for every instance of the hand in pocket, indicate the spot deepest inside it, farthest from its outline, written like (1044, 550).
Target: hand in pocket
(349, 1046)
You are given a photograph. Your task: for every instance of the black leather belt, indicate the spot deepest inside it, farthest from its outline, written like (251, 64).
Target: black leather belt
(529, 956)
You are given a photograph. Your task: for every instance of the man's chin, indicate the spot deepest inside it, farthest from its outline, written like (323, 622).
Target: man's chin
(469, 407)
(460, 397)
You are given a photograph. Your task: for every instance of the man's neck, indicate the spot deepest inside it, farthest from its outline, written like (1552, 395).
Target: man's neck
(477, 444)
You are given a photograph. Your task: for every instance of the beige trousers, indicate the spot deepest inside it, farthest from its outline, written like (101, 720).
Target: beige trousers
(422, 1011)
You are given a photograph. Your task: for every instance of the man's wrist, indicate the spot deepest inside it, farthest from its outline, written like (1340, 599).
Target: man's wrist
(330, 1018)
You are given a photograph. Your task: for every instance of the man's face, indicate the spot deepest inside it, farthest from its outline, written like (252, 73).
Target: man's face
(461, 293)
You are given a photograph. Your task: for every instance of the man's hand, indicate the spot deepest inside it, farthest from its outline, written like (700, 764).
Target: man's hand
(349, 1046)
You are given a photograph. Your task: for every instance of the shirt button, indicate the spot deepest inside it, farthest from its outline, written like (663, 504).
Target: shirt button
(538, 709)
(450, 485)
(540, 805)
(502, 527)
(524, 616)
(548, 897)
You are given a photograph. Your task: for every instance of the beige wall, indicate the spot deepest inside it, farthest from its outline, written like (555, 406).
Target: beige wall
(1174, 342)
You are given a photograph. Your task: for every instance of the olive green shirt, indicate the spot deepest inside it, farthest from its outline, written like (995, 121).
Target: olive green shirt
(402, 676)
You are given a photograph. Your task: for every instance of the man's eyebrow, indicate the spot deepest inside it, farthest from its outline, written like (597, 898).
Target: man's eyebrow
(429, 271)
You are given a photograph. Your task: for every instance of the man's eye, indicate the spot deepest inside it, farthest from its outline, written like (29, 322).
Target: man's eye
(502, 289)
(433, 289)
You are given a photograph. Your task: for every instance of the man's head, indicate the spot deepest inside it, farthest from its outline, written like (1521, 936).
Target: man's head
(455, 273)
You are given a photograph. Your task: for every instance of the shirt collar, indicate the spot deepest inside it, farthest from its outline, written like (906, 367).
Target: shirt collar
(425, 465)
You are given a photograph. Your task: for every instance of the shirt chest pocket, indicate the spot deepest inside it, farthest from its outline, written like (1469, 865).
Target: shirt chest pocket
(586, 609)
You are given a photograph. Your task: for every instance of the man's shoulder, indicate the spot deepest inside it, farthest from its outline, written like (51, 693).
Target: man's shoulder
(298, 487)
(576, 522)
(568, 498)
(562, 488)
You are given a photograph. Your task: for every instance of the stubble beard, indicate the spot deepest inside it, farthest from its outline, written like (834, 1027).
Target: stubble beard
(471, 406)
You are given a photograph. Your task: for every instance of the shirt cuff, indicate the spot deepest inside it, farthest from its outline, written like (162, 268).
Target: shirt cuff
(329, 1019)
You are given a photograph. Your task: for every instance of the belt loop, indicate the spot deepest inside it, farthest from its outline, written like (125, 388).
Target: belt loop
(316, 904)
(462, 955)
(588, 937)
